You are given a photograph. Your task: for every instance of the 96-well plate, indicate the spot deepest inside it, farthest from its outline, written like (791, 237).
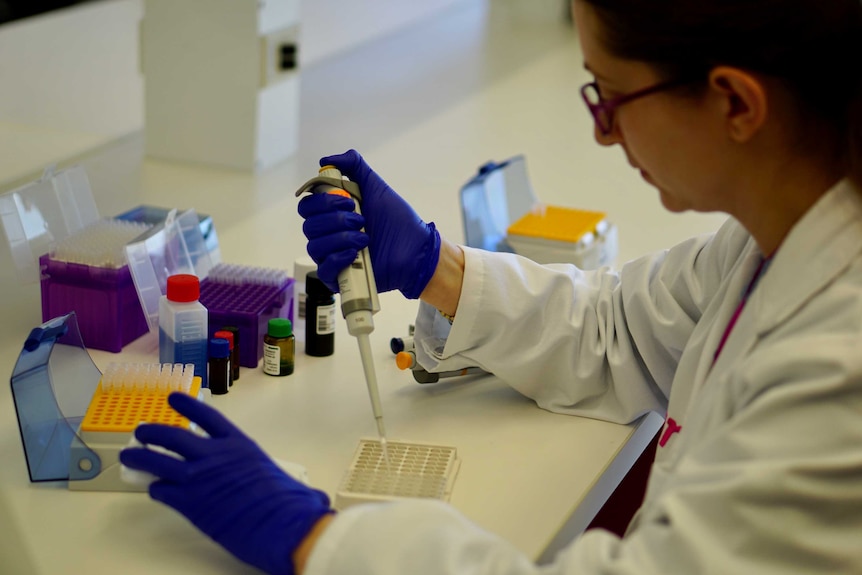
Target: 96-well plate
(415, 470)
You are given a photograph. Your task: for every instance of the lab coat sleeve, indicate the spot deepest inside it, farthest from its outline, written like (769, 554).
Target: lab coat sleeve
(772, 485)
(772, 489)
(596, 343)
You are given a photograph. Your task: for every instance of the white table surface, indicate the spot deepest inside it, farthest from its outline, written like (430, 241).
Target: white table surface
(485, 80)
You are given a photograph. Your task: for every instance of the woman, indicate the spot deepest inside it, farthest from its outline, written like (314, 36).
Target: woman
(750, 339)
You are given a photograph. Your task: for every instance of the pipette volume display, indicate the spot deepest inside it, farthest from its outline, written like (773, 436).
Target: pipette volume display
(358, 289)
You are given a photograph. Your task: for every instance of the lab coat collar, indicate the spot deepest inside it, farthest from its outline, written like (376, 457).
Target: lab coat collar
(818, 248)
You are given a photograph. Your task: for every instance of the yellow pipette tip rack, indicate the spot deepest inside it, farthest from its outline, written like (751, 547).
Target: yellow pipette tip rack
(127, 395)
(557, 223)
(137, 395)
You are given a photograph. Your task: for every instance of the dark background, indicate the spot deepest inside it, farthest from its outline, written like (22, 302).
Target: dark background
(11, 10)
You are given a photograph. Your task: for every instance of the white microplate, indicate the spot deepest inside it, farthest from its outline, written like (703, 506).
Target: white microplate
(416, 470)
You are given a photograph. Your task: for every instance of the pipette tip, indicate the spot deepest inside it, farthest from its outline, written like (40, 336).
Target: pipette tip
(381, 432)
(385, 449)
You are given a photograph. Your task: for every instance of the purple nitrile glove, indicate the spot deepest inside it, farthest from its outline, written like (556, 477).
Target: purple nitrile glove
(404, 249)
(228, 487)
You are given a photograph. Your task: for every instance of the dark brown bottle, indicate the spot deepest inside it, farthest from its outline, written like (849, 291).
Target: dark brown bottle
(319, 317)
(219, 366)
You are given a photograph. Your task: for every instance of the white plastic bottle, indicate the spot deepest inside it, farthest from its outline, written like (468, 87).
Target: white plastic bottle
(183, 325)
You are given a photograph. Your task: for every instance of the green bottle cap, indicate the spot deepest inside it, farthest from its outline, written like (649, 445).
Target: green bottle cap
(279, 327)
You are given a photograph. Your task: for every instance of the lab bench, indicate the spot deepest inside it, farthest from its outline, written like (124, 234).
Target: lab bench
(427, 116)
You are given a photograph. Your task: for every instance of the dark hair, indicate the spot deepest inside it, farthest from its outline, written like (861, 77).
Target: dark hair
(813, 46)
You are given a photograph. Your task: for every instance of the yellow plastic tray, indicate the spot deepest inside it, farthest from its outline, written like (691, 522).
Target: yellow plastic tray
(123, 410)
(557, 223)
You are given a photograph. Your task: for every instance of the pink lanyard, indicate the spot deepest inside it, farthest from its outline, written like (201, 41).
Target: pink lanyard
(761, 269)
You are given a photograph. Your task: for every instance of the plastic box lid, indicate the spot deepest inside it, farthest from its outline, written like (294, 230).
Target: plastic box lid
(38, 215)
(500, 193)
(49, 412)
(156, 215)
(177, 247)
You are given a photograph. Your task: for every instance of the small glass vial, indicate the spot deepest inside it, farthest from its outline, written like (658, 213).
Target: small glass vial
(234, 352)
(319, 317)
(278, 347)
(219, 365)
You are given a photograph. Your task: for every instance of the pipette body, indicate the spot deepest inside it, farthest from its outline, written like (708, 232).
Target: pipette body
(359, 300)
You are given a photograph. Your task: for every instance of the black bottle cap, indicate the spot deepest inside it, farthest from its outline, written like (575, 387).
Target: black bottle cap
(235, 331)
(315, 287)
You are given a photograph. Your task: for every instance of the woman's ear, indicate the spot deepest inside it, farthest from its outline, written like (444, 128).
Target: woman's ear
(743, 101)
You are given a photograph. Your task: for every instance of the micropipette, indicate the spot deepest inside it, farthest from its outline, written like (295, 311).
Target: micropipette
(358, 290)
(406, 359)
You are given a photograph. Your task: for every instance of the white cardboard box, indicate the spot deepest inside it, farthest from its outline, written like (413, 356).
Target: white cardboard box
(221, 81)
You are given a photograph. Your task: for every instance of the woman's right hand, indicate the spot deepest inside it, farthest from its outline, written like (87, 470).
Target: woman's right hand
(404, 249)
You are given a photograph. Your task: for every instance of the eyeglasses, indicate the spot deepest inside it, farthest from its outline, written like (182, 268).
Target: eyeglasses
(603, 110)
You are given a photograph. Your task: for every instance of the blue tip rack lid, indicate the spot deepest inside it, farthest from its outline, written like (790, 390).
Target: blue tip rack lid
(52, 386)
(498, 195)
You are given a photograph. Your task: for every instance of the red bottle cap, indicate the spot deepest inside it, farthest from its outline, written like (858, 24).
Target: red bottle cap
(183, 288)
(225, 335)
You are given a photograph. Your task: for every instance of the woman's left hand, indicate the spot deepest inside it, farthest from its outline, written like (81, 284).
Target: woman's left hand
(228, 487)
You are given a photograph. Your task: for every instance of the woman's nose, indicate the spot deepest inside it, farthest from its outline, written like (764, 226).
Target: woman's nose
(610, 138)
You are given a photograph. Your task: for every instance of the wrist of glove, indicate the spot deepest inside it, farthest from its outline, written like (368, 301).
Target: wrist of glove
(228, 487)
(404, 249)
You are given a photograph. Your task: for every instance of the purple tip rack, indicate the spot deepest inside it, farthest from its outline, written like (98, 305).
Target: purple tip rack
(109, 312)
(105, 301)
(247, 298)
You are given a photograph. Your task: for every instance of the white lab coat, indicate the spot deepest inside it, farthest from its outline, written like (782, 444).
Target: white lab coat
(765, 473)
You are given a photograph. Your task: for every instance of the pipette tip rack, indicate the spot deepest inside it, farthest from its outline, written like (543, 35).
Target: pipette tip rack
(87, 273)
(128, 394)
(246, 297)
(132, 393)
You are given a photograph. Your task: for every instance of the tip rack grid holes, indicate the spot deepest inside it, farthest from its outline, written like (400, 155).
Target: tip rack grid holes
(416, 470)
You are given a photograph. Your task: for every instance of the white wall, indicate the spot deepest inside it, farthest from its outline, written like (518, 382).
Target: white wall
(73, 69)
(332, 26)
(70, 81)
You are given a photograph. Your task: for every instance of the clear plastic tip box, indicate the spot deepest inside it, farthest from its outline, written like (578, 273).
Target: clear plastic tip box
(57, 238)
(501, 213)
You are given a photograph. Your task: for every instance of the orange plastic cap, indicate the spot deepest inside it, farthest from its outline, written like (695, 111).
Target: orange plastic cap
(404, 360)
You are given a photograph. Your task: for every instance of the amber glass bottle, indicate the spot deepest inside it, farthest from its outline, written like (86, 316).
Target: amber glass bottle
(279, 347)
